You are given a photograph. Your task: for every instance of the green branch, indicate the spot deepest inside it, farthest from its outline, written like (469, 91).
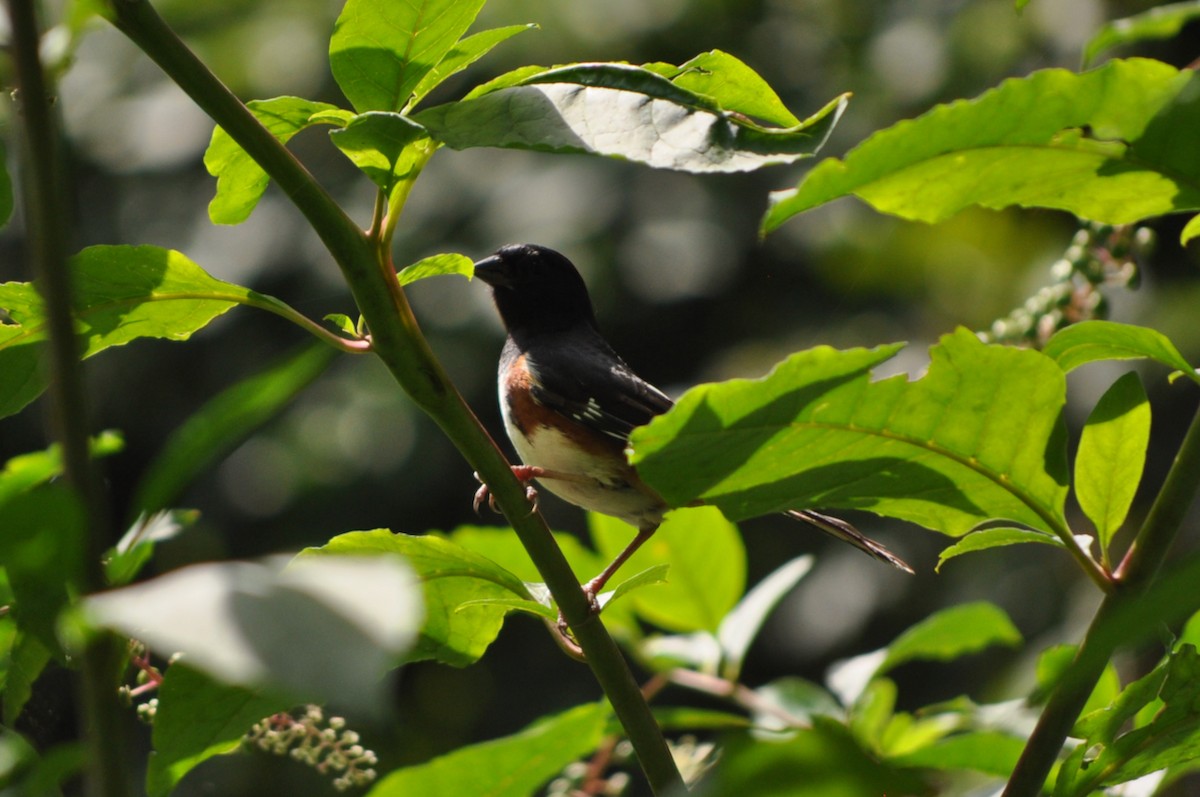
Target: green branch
(397, 339)
(1134, 577)
(44, 185)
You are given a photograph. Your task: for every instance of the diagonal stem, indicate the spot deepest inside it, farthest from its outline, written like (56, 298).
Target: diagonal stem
(1134, 576)
(397, 339)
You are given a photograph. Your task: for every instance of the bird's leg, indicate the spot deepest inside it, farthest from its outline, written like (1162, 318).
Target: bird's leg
(525, 474)
(592, 588)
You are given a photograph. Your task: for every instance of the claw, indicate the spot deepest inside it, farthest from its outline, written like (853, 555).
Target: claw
(525, 473)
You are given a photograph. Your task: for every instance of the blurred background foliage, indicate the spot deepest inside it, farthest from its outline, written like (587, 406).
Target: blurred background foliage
(684, 289)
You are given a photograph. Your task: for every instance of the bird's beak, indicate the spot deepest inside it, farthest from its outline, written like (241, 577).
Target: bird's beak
(490, 271)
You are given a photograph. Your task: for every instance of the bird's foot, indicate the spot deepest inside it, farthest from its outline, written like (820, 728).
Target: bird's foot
(525, 473)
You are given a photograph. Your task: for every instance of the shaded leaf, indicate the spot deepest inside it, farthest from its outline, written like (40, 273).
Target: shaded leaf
(240, 180)
(121, 293)
(387, 147)
(1107, 145)
(707, 563)
(1089, 341)
(42, 547)
(620, 111)
(1112, 453)
(951, 633)
(252, 625)
(436, 265)
(997, 537)
(1160, 22)
(381, 52)
(24, 662)
(464, 53)
(793, 702)
(527, 759)
(1052, 664)
(450, 577)
(224, 422)
(979, 437)
(741, 625)
(26, 471)
(198, 718)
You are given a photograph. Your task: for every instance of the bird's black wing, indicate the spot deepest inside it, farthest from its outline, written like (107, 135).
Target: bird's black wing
(585, 379)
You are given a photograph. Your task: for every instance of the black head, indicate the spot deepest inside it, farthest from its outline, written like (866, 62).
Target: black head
(536, 289)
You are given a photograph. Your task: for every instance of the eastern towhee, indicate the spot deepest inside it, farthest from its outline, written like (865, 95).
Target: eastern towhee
(569, 401)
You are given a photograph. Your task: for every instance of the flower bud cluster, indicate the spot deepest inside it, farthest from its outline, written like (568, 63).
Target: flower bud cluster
(325, 745)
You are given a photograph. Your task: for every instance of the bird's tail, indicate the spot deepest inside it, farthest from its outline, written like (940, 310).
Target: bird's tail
(844, 531)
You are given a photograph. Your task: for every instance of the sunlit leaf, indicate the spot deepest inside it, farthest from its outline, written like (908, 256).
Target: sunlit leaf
(125, 560)
(436, 265)
(979, 437)
(1108, 145)
(1160, 22)
(989, 752)
(224, 422)
(527, 760)
(450, 577)
(997, 537)
(240, 180)
(198, 718)
(464, 53)
(741, 625)
(26, 471)
(951, 633)
(1112, 453)
(707, 562)
(381, 52)
(122, 293)
(253, 625)
(621, 111)
(1089, 341)
(731, 85)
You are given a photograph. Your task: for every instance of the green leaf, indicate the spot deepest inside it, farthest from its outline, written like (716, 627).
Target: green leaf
(240, 180)
(1105, 145)
(731, 85)
(502, 546)
(1161, 22)
(651, 576)
(381, 52)
(342, 323)
(253, 625)
(42, 548)
(122, 293)
(450, 577)
(224, 422)
(951, 633)
(983, 539)
(1089, 341)
(436, 265)
(1053, 663)
(798, 699)
(1112, 453)
(990, 752)
(198, 718)
(26, 471)
(1190, 231)
(25, 661)
(6, 192)
(621, 111)
(388, 147)
(825, 760)
(513, 766)
(979, 437)
(741, 625)
(707, 563)
(125, 560)
(1172, 738)
(464, 53)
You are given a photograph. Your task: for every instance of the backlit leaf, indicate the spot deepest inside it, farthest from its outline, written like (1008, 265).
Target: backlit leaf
(1089, 341)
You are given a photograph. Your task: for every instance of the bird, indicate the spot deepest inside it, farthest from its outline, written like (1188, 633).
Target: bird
(569, 402)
